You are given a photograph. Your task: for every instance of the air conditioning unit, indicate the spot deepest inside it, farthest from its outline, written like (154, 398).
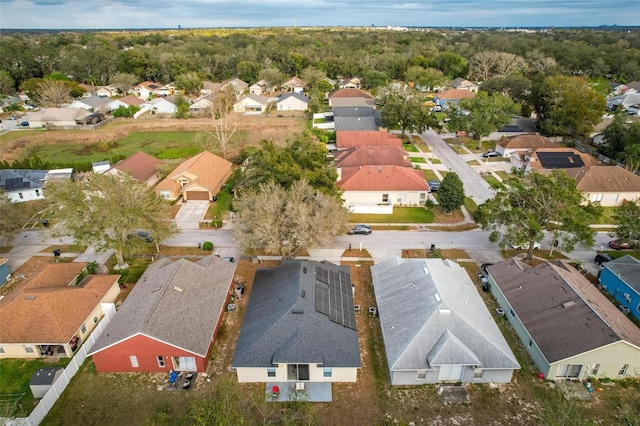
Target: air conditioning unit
(627, 297)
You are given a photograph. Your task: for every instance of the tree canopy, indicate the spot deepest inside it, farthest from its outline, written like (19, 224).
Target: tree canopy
(301, 158)
(107, 212)
(451, 193)
(483, 114)
(627, 219)
(10, 218)
(407, 112)
(287, 221)
(526, 207)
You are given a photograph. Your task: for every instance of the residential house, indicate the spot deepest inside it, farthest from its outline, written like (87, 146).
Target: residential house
(350, 83)
(5, 274)
(89, 90)
(198, 178)
(352, 139)
(209, 87)
(606, 185)
(202, 105)
(293, 101)
(55, 117)
(259, 87)
(238, 85)
(621, 278)
(7, 104)
(170, 319)
(517, 145)
(294, 84)
(463, 84)
(125, 102)
(146, 90)
(372, 156)
(162, 106)
(91, 103)
(356, 118)
(351, 98)
(54, 311)
(22, 184)
(251, 104)
(140, 166)
(436, 327)
(453, 97)
(569, 328)
(551, 158)
(628, 102)
(108, 91)
(376, 189)
(299, 330)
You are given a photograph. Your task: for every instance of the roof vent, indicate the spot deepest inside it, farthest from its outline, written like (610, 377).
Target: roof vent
(379, 168)
(437, 296)
(569, 303)
(445, 311)
(178, 289)
(297, 311)
(30, 297)
(302, 293)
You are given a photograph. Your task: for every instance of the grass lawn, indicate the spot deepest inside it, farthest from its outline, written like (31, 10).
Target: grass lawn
(435, 161)
(219, 209)
(409, 147)
(470, 205)
(504, 175)
(400, 215)
(419, 142)
(417, 160)
(493, 182)
(15, 375)
(429, 175)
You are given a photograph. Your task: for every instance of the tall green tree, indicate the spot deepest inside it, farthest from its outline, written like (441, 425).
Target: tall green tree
(566, 106)
(407, 112)
(285, 221)
(526, 207)
(483, 114)
(190, 82)
(451, 193)
(106, 211)
(627, 219)
(123, 81)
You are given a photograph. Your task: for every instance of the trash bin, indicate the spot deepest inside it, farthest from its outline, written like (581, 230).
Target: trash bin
(433, 247)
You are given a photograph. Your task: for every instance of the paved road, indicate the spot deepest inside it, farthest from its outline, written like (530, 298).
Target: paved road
(474, 185)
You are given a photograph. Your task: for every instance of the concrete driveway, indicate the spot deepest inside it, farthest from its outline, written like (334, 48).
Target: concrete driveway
(191, 214)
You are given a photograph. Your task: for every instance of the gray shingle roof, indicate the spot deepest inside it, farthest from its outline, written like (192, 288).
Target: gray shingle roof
(282, 326)
(17, 179)
(431, 314)
(176, 302)
(627, 268)
(564, 314)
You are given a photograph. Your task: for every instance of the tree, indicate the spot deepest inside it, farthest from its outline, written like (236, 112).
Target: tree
(224, 123)
(526, 207)
(190, 82)
(287, 221)
(302, 158)
(129, 111)
(451, 193)
(7, 84)
(272, 76)
(312, 76)
(483, 114)
(124, 81)
(106, 211)
(627, 219)
(566, 106)
(407, 112)
(53, 93)
(10, 215)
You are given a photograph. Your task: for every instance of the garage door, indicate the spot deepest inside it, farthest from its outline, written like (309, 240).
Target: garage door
(197, 195)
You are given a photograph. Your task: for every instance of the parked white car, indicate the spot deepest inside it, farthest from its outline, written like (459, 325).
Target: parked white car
(525, 246)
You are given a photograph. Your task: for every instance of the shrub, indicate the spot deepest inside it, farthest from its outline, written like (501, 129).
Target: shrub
(207, 246)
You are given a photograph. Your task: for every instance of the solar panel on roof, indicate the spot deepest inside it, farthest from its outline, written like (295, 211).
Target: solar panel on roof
(322, 298)
(322, 274)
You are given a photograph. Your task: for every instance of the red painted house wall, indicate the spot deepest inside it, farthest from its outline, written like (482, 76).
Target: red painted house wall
(116, 358)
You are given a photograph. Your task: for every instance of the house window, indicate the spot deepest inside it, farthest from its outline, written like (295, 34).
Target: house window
(385, 198)
(569, 371)
(422, 375)
(326, 372)
(513, 314)
(596, 198)
(615, 197)
(530, 343)
(20, 195)
(298, 372)
(83, 328)
(271, 372)
(594, 370)
(477, 373)
(623, 370)
(423, 196)
(134, 361)
(28, 349)
(160, 360)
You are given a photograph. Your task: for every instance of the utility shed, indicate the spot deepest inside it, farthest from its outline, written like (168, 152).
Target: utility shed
(43, 379)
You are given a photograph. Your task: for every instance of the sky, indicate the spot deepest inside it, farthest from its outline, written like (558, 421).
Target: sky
(130, 14)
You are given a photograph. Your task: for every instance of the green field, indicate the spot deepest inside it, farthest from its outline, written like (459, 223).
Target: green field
(400, 215)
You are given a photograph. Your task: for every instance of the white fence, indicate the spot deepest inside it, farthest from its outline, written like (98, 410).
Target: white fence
(50, 398)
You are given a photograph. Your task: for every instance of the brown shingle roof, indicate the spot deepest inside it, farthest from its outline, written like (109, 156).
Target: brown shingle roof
(528, 141)
(382, 178)
(208, 170)
(350, 93)
(372, 155)
(131, 100)
(353, 138)
(51, 315)
(456, 94)
(140, 166)
(605, 179)
(557, 307)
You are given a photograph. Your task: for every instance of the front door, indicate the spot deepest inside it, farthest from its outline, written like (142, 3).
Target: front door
(450, 373)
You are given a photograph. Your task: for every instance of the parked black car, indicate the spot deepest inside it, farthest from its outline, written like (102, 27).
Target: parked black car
(602, 258)
(490, 154)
